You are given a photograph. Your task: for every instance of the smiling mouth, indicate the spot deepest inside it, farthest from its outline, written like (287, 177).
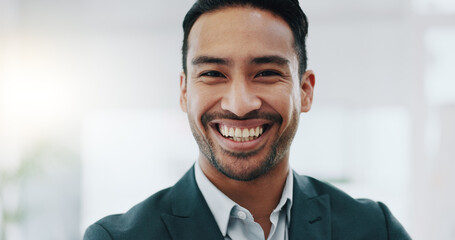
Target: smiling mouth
(241, 134)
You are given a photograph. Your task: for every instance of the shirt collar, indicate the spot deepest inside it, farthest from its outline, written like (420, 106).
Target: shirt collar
(220, 205)
(286, 196)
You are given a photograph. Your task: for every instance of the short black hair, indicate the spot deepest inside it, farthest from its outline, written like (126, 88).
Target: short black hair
(289, 10)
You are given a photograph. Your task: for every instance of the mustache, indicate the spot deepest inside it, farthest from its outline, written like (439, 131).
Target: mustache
(256, 114)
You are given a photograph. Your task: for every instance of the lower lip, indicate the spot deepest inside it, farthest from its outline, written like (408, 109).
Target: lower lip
(232, 145)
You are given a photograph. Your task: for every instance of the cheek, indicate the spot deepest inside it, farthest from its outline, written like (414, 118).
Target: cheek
(282, 99)
(200, 101)
(285, 102)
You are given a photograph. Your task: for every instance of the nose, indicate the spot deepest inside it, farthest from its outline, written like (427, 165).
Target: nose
(240, 98)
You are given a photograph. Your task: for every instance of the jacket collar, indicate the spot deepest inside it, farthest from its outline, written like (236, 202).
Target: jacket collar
(190, 217)
(310, 213)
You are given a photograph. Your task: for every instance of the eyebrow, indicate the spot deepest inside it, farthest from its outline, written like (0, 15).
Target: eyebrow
(274, 59)
(270, 59)
(210, 60)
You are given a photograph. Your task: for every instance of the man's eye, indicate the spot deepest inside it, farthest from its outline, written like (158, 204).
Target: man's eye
(267, 74)
(212, 74)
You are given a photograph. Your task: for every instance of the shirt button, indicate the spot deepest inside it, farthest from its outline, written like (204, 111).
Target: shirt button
(241, 215)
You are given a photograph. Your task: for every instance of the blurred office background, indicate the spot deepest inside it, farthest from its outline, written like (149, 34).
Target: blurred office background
(90, 122)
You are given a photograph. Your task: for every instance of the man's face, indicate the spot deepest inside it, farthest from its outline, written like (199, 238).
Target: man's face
(242, 91)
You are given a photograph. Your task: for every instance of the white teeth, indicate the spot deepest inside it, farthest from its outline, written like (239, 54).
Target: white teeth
(226, 131)
(231, 132)
(245, 133)
(239, 134)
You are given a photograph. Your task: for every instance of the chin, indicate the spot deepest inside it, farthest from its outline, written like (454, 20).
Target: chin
(244, 166)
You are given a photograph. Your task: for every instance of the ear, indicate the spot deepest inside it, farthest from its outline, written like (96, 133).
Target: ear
(307, 88)
(183, 91)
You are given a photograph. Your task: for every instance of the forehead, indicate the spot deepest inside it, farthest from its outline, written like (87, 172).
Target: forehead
(240, 31)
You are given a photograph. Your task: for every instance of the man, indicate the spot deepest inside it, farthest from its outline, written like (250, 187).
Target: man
(243, 85)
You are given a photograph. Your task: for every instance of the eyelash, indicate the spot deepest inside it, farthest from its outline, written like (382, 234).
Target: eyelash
(268, 73)
(216, 74)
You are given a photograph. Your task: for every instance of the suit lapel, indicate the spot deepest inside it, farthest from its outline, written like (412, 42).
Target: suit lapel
(191, 217)
(310, 213)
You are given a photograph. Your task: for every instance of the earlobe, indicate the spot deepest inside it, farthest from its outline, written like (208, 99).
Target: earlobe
(183, 88)
(307, 89)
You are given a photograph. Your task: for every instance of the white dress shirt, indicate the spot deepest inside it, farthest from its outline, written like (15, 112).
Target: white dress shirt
(236, 222)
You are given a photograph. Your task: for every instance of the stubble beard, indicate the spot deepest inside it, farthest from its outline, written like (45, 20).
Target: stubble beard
(237, 169)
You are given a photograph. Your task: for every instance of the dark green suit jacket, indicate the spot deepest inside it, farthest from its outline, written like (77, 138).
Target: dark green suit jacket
(319, 211)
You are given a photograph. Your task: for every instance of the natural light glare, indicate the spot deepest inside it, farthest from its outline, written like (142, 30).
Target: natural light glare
(37, 97)
(35, 91)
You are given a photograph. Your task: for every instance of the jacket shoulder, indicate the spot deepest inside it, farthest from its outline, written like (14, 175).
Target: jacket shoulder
(142, 220)
(338, 198)
(354, 218)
